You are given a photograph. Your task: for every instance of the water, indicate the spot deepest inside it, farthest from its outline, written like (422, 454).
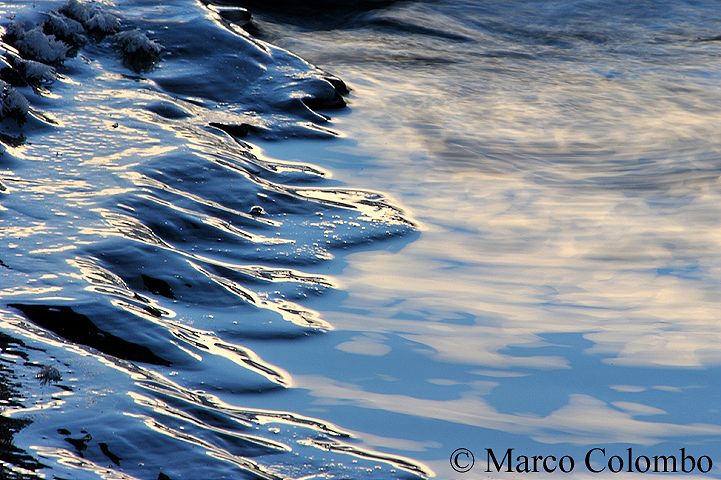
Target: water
(507, 240)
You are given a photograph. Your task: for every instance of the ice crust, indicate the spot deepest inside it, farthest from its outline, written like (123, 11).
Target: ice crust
(33, 50)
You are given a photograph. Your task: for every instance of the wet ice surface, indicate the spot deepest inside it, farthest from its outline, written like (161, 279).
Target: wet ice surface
(176, 238)
(152, 262)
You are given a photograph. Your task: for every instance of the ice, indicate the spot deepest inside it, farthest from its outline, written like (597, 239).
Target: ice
(92, 17)
(35, 44)
(32, 47)
(66, 29)
(14, 104)
(78, 11)
(103, 23)
(139, 52)
(35, 72)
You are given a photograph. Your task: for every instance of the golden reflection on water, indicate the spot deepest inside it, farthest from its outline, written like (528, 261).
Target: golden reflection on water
(583, 202)
(570, 204)
(538, 263)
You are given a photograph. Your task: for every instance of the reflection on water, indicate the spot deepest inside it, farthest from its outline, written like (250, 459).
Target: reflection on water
(563, 160)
